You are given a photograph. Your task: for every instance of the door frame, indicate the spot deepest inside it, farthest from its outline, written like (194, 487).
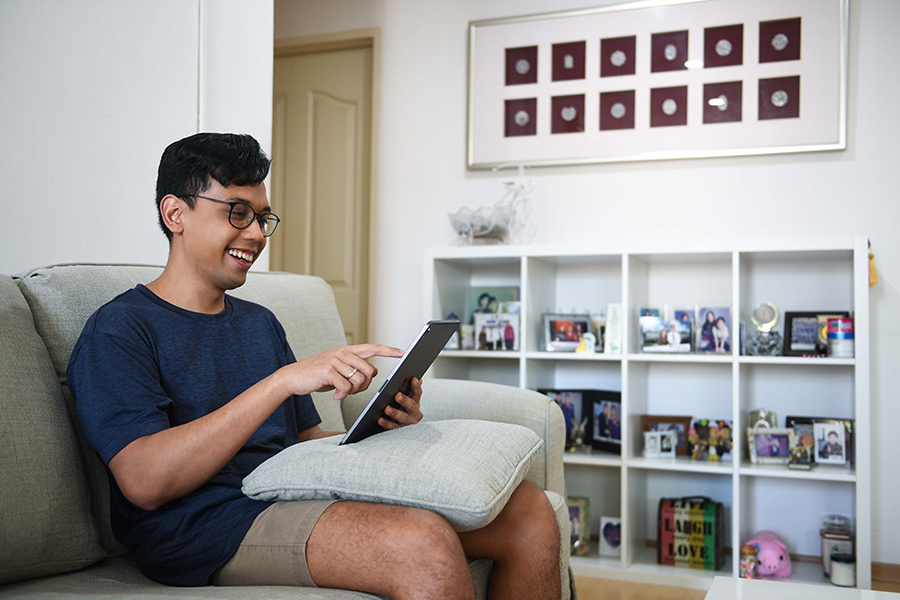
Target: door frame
(345, 40)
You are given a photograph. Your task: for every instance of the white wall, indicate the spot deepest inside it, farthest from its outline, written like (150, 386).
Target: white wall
(422, 177)
(93, 92)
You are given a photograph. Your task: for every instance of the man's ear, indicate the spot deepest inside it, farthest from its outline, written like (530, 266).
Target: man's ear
(172, 210)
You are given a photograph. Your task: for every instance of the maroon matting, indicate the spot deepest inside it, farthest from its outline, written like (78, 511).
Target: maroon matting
(668, 51)
(730, 93)
(625, 58)
(521, 117)
(723, 46)
(521, 65)
(568, 61)
(660, 99)
(779, 40)
(612, 105)
(567, 114)
(779, 98)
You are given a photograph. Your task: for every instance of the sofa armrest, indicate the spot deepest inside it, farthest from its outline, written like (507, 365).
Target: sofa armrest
(457, 399)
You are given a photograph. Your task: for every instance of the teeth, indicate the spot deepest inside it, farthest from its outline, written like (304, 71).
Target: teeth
(246, 256)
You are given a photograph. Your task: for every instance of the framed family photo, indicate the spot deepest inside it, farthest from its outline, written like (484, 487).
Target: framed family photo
(580, 525)
(676, 424)
(832, 442)
(565, 333)
(806, 333)
(770, 445)
(605, 412)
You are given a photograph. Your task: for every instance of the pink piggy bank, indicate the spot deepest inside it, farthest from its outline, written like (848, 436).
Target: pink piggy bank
(773, 559)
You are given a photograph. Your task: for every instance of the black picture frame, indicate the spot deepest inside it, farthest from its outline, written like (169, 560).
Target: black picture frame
(572, 409)
(604, 411)
(803, 332)
(798, 423)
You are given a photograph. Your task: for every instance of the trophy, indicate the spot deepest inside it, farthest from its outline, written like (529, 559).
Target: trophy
(764, 341)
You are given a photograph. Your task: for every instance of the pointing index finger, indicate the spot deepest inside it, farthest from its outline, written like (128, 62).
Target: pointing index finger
(370, 350)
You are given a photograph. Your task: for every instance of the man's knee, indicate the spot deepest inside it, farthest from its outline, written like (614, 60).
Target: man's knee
(433, 554)
(530, 519)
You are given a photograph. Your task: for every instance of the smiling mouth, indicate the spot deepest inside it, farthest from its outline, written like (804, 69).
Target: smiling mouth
(244, 257)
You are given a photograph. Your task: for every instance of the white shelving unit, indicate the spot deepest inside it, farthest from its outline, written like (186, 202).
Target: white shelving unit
(796, 275)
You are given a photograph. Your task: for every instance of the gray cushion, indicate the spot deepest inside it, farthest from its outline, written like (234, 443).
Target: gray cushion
(45, 520)
(462, 470)
(63, 297)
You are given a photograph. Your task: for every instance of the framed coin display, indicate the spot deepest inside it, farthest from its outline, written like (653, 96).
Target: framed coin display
(667, 79)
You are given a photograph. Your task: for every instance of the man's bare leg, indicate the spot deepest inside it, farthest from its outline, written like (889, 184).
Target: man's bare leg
(404, 552)
(523, 542)
(392, 551)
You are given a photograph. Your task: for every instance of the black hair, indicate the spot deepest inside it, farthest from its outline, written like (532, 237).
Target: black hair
(188, 165)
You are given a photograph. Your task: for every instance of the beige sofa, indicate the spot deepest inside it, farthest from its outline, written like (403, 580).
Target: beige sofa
(55, 541)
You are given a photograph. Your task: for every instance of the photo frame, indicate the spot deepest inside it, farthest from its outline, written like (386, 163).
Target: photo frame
(564, 332)
(660, 336)
(804, 426)
(497, 332)
(770, 445)
(610, 84)
(833, 443)
(803, 429)
(805, 333)
(715, 330)
(580, 523)
(604, 411)
(659, 444)
(610, 536)
(571, 402)
(680, 425)
(489, 300)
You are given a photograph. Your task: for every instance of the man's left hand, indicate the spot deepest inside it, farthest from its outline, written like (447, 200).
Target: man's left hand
(410, 411)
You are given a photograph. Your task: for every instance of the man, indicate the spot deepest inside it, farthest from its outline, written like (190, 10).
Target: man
(183, 390)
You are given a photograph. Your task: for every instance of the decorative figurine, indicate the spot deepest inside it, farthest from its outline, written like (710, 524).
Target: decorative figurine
(748, 561)
(764, 341)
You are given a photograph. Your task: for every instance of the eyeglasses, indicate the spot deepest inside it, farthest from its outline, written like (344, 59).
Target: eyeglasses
(242, 215)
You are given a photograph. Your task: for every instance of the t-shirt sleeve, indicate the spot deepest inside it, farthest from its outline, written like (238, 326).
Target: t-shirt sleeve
(117, 392)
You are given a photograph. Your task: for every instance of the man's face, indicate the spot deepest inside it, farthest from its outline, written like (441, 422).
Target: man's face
(220, 253)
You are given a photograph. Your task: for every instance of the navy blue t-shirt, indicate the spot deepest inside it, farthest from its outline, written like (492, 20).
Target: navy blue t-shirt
(143, 365)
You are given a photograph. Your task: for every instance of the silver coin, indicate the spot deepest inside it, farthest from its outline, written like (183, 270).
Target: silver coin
(723, 48)
(617, 110)
(780, 42)
(669, 107)
(522, 66)
(618, 58)
(671, 52)
(779, 98)
(723, 102)
(522, 118)
(569, 113)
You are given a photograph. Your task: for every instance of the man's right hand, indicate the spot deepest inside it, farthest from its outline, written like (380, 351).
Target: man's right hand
(346, 370)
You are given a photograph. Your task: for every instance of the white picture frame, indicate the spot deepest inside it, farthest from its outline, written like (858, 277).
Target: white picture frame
(538, 93)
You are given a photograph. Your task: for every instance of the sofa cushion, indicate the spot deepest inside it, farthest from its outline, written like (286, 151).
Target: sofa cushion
(46, 525)
(119, 578)
(63, 297)
(463, 470)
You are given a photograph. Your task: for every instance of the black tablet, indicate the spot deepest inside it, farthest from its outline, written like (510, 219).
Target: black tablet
(416, 360)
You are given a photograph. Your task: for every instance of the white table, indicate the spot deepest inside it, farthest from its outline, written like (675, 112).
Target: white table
(732, 588)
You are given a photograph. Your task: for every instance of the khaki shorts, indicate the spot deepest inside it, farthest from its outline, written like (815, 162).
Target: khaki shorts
(274, 550)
